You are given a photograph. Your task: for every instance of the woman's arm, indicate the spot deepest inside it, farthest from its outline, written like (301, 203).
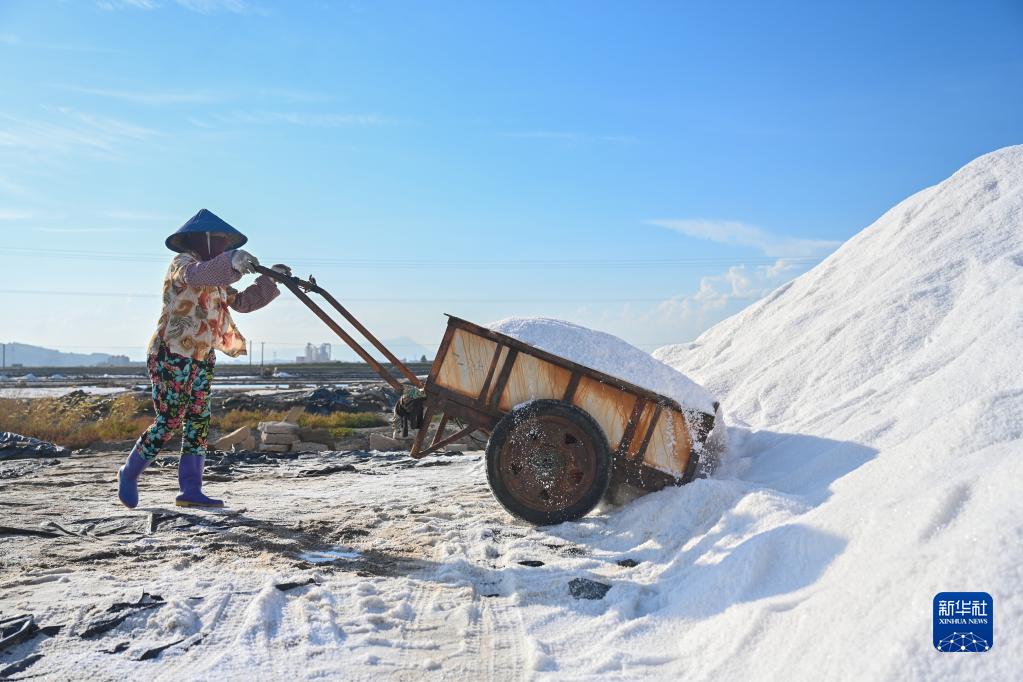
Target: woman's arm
(216, 272)
(257, 295)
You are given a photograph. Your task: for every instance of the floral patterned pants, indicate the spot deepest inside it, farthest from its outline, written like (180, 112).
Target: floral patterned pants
(181, 396)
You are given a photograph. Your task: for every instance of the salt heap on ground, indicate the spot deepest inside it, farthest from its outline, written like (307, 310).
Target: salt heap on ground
(608, 354)
(879, 454)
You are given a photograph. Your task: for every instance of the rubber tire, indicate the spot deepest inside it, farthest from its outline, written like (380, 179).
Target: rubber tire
(564, 410)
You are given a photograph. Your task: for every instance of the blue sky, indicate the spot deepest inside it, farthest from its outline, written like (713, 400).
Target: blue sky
(646, 168)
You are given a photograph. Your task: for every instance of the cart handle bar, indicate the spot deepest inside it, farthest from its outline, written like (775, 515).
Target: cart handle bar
(299, 287)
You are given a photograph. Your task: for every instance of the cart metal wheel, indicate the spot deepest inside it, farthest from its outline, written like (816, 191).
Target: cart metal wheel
(548, 462)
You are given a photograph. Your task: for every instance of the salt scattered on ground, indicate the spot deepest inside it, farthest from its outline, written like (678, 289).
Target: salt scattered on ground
(608, 354)
(58, 391)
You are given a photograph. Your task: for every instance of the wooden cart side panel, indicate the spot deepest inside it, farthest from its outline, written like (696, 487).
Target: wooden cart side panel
(463, 369)
(442, 353)
(502, 358)
(525, 348)
(532, 378)
(670, 446)
(643, 427)
(609, 406)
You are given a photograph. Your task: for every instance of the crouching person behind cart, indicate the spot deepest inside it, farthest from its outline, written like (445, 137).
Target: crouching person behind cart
(196, 321)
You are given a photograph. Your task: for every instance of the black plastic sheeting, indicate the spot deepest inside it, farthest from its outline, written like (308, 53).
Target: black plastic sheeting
(322, 400)
(329, 400)
(16, 446)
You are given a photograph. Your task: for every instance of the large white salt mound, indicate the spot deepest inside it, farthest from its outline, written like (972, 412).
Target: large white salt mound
(878, 452)
(608, 354)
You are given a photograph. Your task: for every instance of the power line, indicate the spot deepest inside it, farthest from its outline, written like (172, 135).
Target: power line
(41, 292)
(661, 299)
(299, 344)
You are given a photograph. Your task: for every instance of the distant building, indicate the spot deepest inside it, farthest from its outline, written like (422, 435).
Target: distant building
(316, 354)
(117, 361)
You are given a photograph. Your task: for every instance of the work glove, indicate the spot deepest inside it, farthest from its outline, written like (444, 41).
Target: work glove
(283, 269)
(244, 262)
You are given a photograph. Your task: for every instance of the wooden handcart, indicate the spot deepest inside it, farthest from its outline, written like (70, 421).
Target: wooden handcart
(559, 433)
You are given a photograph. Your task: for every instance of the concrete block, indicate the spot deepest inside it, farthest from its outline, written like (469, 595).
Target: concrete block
(294, 413)
(278, 427)
(233, 438)
(279, 438)
(269, 447)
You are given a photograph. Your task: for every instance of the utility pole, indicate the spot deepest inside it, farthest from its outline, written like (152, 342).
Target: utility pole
(4, 363)
(262, 353)
(250, 352)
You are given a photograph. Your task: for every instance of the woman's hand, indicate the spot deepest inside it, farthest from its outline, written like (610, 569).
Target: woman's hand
(244, 262)
(283, 269)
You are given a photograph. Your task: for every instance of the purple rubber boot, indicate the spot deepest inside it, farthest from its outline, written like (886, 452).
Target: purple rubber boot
(190, 479)
(128, 478)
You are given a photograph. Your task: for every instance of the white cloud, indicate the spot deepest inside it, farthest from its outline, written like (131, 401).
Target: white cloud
(71, 131)
(83, 230)
(304, 119)
(213, 6)
(567, 136)
(8, 214)
(15, 40)
(685, 316)
(138, 216)
(717, 296)
(148, 97)
(127, 4)
(737, 233)
(741, 283)
(294, 95)
(200, 6)
(12, 188)
(205, 96)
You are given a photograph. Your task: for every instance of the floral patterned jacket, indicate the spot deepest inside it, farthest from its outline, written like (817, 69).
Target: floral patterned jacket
(196, 298)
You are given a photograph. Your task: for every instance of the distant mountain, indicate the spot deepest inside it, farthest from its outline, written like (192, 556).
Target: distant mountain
(407, 349)
(36, 356)
(402, 346)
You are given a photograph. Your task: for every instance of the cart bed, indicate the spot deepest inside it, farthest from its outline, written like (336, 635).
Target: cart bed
(480, 375)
